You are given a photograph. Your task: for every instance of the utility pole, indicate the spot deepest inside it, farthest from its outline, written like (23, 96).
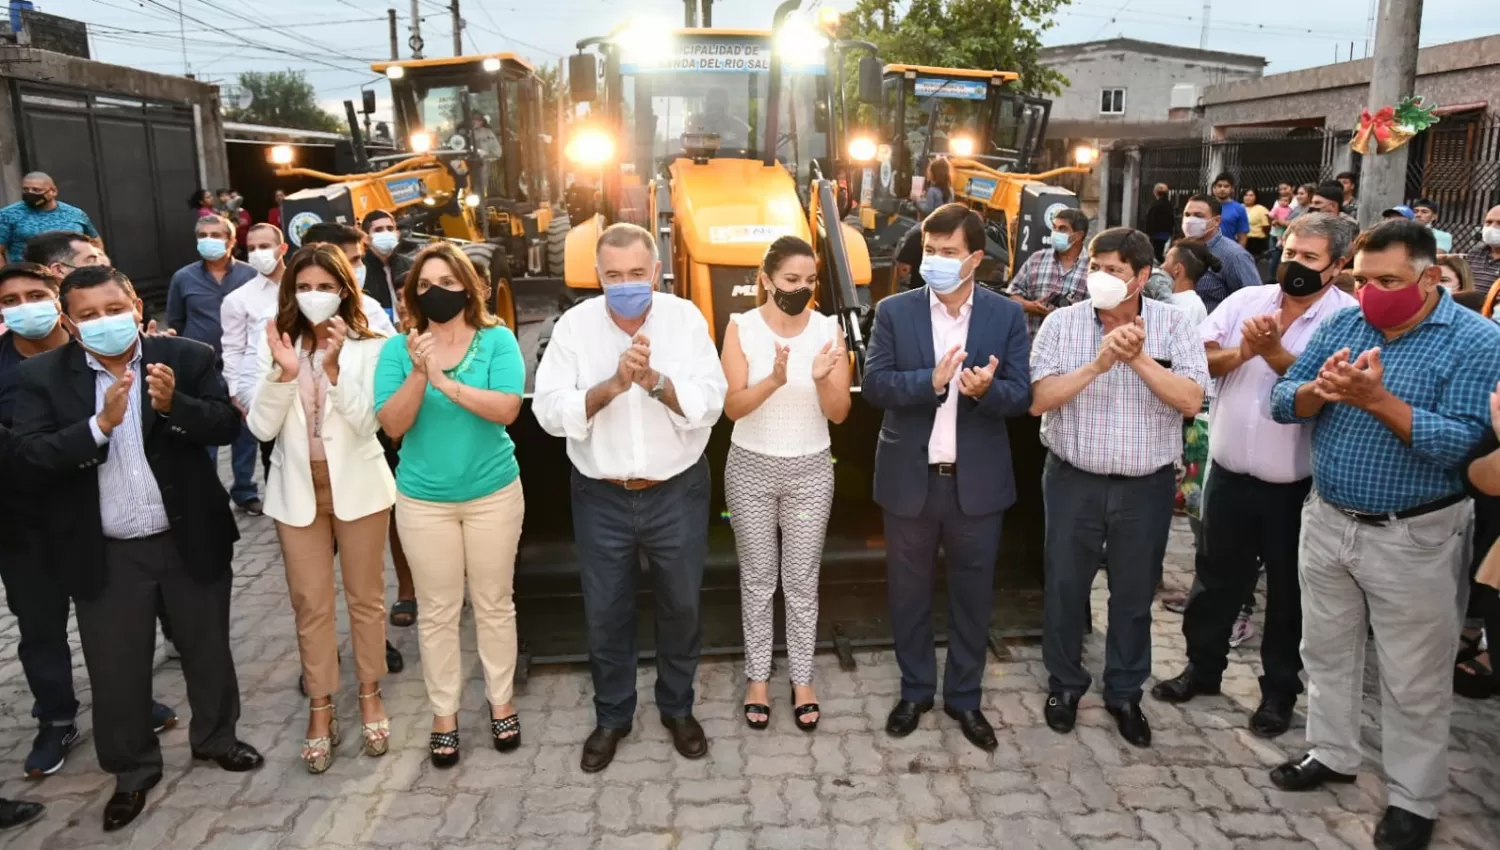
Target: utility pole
(415, 41)
(1393, 76)
(458, 28)
(390, 17)
(1208, 7)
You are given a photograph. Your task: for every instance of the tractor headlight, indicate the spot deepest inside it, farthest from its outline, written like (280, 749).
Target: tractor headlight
(1085, 155)
(591, 147)
(492, 64)
(395, 72)
(862, 149)
(471, 200)
(800, 45)
(961, 146)
(282, 155)
(420, 142)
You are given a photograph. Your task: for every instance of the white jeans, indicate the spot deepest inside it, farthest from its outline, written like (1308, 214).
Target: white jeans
(1412, 577)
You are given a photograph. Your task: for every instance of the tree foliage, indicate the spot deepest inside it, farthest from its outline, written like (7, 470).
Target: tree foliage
(282, 99)
(1000, 35)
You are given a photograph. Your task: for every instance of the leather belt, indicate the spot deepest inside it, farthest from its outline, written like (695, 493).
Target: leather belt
(947, 470)
(1410, 513)
(632, 484)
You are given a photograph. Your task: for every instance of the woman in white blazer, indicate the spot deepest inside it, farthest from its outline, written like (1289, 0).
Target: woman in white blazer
(328, 483)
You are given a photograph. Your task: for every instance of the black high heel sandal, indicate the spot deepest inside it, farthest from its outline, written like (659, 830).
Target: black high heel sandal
(801, 711)
(757, 708)
(499, 729)
(443, 741)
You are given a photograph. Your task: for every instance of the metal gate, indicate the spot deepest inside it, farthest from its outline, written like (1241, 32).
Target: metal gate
(131, 164)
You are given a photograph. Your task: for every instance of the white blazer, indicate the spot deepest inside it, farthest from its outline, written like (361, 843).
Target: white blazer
(357, 472)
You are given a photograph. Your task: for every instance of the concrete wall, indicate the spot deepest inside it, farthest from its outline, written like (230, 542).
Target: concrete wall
(1147, 78)
(40, 66)
(1447, 74)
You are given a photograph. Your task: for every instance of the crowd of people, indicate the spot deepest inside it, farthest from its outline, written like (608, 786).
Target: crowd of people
(1352, 427)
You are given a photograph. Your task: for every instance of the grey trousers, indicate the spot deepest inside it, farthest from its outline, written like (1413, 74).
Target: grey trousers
(779, 509)
(1412, 577)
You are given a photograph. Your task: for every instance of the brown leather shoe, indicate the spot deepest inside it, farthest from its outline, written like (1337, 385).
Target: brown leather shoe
(599, 749)
(687, 736)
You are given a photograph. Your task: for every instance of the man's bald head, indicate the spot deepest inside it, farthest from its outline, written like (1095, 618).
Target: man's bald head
(41, 178)
(1492, 218)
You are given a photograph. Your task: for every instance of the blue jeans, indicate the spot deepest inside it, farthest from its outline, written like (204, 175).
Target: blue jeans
(613, 527)
(242, 461)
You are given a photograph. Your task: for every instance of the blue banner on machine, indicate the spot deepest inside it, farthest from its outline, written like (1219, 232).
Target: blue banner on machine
(406, 190)
(982, 188)
(955, 89)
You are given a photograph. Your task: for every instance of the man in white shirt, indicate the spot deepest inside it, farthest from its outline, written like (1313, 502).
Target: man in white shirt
(243, 317)
(633, 382)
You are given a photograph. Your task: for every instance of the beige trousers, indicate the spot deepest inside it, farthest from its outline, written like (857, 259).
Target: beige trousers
(447, 542)
(308, 554)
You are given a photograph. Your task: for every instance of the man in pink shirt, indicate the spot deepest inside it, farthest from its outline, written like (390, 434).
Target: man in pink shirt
(1261, 471)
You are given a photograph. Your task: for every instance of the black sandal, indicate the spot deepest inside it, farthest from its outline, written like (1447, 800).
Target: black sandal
(404, 613)
(443, 741)
(757, 708)
(1473, 680)
(506, 731)
(802, 711)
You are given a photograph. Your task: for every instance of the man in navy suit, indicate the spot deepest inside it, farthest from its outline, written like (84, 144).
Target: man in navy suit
(948, 363)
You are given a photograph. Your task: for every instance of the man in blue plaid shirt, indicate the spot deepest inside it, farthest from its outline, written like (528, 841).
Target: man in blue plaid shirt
(1398, 396)
(1054, 276)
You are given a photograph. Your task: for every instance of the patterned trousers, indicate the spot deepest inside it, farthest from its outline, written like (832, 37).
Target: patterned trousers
(793, 495)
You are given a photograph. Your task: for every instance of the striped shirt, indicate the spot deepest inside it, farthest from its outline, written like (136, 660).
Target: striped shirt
(1486, 267)
(1042, 278)
(1116, 426)
(1445, 368)
(130, 503)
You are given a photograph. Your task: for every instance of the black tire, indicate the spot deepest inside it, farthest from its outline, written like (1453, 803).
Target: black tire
(487, 257)
(557, 243)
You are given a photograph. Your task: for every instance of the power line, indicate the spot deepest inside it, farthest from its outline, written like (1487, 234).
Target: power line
(1112, 18)
(245, 40)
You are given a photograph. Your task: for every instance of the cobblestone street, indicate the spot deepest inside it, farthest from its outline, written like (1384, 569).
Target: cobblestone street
(1204, 784)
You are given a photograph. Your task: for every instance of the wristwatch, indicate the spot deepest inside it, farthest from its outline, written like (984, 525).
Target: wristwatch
(660, 388)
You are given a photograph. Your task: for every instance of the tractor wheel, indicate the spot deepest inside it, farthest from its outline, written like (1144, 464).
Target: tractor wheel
(493, 265)
(557, 243)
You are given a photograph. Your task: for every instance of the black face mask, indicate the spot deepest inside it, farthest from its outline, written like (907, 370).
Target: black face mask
(794, 302)
(1298, 280)
(34, 199)
(441, 305)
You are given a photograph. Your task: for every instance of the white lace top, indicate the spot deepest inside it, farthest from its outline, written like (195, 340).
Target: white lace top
(791, 422)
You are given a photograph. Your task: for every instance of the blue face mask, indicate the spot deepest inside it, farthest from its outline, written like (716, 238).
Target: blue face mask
(628, 300)
(211, 249)
(33, 320)
(110, 336)
(385, 241)
(942, 274)
(1061, 241)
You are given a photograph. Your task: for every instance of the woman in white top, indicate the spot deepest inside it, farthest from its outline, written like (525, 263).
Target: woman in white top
(788, 378)
(328, 483)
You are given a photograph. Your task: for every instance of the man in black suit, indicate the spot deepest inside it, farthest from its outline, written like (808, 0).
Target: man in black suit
(136, 509)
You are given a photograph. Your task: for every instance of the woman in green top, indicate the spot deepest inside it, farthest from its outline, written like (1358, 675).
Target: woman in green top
(447, 390)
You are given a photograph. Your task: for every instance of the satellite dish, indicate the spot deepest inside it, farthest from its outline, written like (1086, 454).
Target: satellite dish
(245, 99)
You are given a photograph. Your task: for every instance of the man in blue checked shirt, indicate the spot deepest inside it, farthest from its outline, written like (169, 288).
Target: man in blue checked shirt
(1398, 396)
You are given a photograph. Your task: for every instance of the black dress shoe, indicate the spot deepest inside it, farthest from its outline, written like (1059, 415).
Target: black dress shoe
(904, 718)
(976, 728)
(1403, 830)
(687, 736)
(1305, 774)
(1132, 722)
(393, 660)
(1274, 716)
(122, 808)
(1182, 688)
(1061, 712)
(239, 758)
(599, 749)
(17, 812)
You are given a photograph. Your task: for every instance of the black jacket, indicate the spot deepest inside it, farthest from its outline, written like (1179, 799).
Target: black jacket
(376, 285)
(54, 401)
(1161, 217)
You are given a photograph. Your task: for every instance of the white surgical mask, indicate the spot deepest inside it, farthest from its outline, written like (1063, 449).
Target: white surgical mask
(1195, 228)
(942, 274)
(1107, 291)
(264, 260)
(385, 242)
(1491, 237)
(359, 275)
(318, 307)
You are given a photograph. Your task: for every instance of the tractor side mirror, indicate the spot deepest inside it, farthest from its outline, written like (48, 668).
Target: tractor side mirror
(367, 104)
(870, 72)
(583, 77)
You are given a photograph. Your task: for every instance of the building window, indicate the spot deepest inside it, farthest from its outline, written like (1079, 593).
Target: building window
(1112, 102)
